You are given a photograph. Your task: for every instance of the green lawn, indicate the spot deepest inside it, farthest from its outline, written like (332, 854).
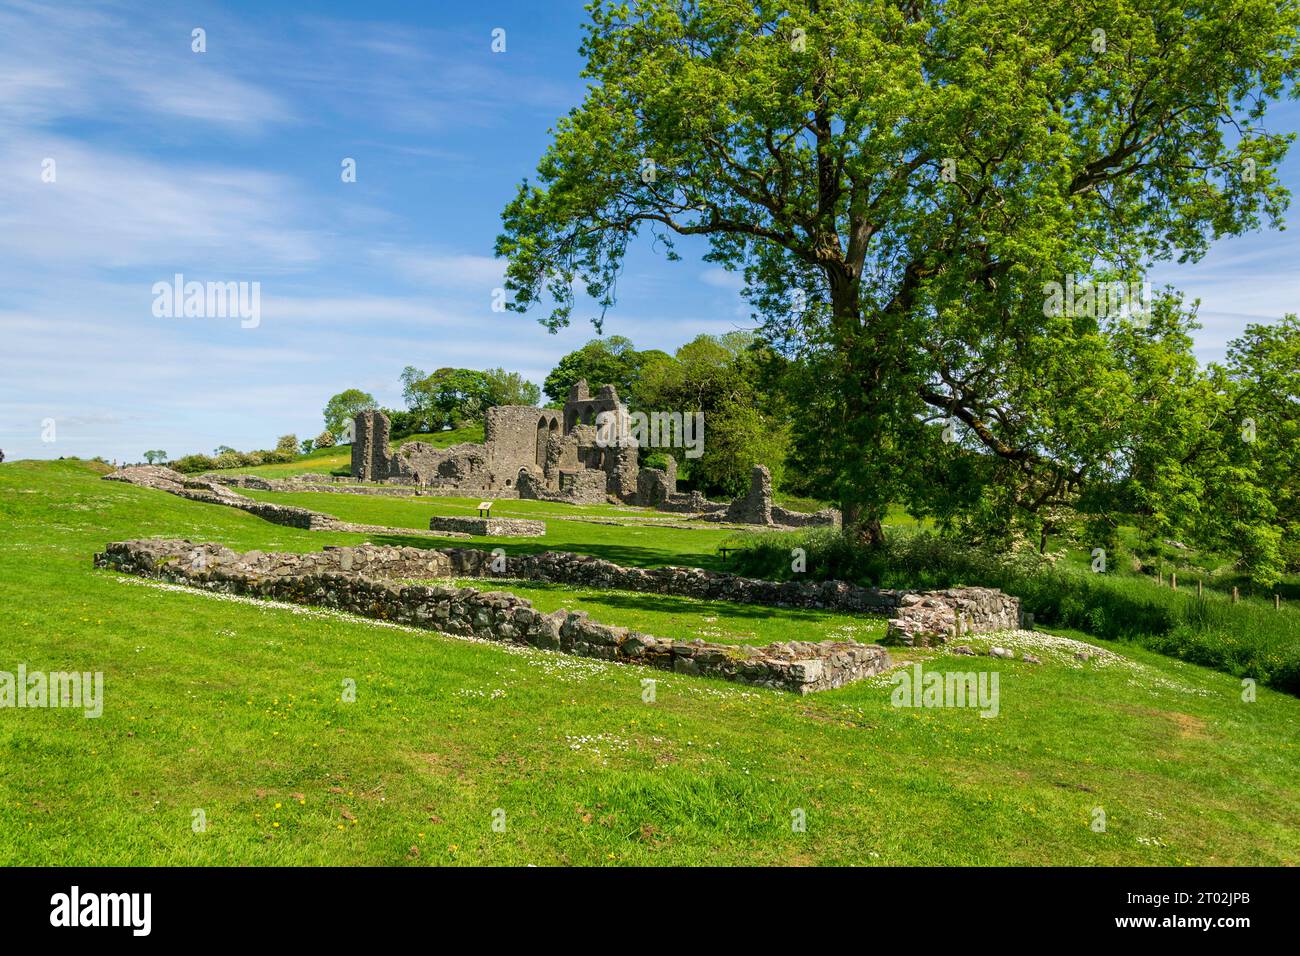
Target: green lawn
(233, 708)
(645, 545)
(688, 619)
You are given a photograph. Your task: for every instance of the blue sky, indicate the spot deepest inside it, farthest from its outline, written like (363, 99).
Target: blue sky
(225, 166)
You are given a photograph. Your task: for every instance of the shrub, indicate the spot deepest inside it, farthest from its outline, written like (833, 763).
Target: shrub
(325, 440)
(287, 444)
(229, 459)
(193, 464)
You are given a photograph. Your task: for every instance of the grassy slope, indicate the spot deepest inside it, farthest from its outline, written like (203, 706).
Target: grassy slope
(234, 709)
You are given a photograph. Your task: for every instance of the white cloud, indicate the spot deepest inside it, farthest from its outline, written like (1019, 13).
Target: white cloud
(723, 279)
(108, 209)
(482, 273)
(114, 69)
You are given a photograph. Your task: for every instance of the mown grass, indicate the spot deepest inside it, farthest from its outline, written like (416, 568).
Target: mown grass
(645, 544)
(234, 709)
(687, 619)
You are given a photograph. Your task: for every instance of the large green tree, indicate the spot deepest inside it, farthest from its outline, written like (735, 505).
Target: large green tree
(612, 360)
(1264, 366)
(509, 388)
(720, 377)
(447, 398)
(343, 407)
(898, 181)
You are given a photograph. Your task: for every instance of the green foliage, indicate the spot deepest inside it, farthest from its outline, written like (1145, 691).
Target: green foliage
(287, 445)
(1264, 363)
(897, 184)
(345, 406)
(743, 426)
(155, 455)
(457, 397)
(509, 388)
(324, 440)
(604, 361)
(194, 464)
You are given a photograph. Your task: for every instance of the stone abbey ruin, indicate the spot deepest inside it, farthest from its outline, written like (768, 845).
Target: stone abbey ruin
(529, 452)
(571, 455)
(580, 454)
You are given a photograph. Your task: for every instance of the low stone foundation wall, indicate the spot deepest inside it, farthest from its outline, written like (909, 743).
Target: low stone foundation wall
(335, 484)
(489, 527)
(561, 567)
(159, 478)
(935, 617)
(201, 489)
(352, 580)
(826, 518)
(916, 619)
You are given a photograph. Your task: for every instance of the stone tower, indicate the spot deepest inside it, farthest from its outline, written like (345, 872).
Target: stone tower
(371, 460)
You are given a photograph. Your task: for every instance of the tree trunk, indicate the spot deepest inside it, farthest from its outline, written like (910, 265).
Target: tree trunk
(859, 438)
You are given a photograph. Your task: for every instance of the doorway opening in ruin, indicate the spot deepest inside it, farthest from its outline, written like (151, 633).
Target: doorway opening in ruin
(545, 429)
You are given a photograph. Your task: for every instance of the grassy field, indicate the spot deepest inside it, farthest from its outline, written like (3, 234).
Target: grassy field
(233, 708)
(643, 545)
(688, 619)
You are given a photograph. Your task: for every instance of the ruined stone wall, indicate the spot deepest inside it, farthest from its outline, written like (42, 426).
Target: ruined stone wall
(371, 459)
(694, 503)
(562, 444)
(755, 507)
(580, 487)
(511, 436)
(621, 472)
(350, 579)
(582, 408)
(462, 467)
(936, 617)
(336, 484)
(489, 527)
(160, 478)
(825, 518)
(653, 487)
(165, 479)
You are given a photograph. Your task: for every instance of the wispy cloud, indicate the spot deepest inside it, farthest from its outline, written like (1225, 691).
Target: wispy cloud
(69, 59)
